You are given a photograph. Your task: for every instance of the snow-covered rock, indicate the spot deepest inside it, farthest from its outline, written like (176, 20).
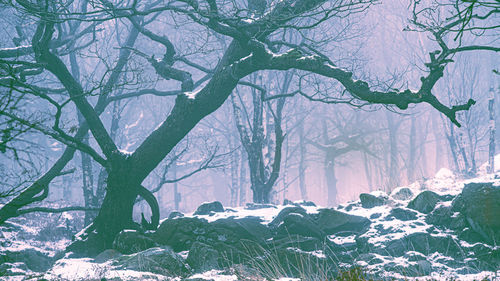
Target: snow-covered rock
(417, 232)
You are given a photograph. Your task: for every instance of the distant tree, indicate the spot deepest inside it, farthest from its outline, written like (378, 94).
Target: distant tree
(349, 135)
(262, 138)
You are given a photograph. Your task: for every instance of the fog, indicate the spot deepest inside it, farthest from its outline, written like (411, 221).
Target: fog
(331, 140)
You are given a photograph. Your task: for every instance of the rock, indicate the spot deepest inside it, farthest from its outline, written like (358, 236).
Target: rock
(257, 206)
(300, 203)
(86, 243)
(306, 203)
(202, 257)
(369, 258)
(369, 201)
(440, 216)
(403, 193)
(414, 256)
(349, 207)
(208, 208)
(481, 209)
(424, 243)
(297, 241)
(403, 214)
(130, 241)
(420, 268)
(444, 217)
(34, 259)
(180, 233)
(156, 260)
(284, 213)
(13, 269)
(249, 228)
(175, 214)
(299, 224)
(107, 255)
(425, 202)
(55, 233)
(332, 221)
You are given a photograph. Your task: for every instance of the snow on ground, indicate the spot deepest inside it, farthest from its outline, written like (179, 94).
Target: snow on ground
(266, 213)
(86, 269)
(215, 275)
(381, 231)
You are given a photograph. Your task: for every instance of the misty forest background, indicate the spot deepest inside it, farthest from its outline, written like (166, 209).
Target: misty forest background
(299, 133)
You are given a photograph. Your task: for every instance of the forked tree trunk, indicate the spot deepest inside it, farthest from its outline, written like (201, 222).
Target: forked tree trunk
(261, 194)
(117, 208)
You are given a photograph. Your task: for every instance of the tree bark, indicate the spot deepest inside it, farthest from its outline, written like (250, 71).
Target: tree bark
(302, 162)
(331, 180)
(394, 179)
(492, 125)
(412, 159)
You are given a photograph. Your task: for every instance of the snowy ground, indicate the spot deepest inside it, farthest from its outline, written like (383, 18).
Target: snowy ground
(21, 236)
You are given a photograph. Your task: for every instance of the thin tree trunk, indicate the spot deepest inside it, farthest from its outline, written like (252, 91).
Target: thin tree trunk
(243, 180)
(331, 180)
(410, 172)
(368, 172)
(234, 170)
(302, 162)
(394, 179)
(88, 184)
(453, 148)
(177, 195)
(492, 125)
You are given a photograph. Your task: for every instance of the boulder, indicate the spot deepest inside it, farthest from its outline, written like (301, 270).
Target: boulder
(158, 260)
(55, 233)
(424, 243)
(403, 214)
(369, 201)
(209, 208)
(481, 209)
(403, 193)
(299, 224)
(331, 221)
(284, 213)
(233, 230)
(425, 202)
(414, 256)
(299, 203)
(180, 233)
(107, 255)
(257, 206)
(34, 259)
(130, 241)
(444, 217)
(202, 257)
(369, 258)
(175, 214)
(13, 269)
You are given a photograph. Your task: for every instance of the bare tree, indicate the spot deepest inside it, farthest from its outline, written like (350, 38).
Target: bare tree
(257, 140)
(255, 47)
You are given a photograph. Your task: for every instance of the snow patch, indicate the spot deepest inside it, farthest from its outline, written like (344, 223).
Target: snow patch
(215, 275)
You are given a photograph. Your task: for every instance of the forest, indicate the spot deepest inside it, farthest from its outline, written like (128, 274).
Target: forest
(249, 140)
